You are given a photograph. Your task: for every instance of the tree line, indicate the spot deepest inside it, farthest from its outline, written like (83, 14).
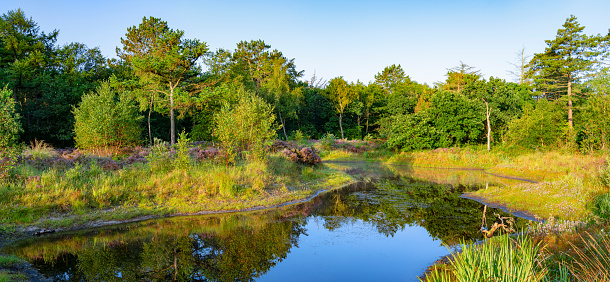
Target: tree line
(162, 83)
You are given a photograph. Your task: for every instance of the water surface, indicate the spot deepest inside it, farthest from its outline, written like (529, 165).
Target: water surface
(391, 226)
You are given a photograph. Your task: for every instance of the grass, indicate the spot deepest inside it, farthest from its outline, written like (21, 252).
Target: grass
(500, 259)
(567, 186)
(56, 197)
(39, 149)
(591, 259)
(9, 261)
(8, 277)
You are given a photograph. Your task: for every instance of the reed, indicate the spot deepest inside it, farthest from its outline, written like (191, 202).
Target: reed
(500, 259)
(591, 260)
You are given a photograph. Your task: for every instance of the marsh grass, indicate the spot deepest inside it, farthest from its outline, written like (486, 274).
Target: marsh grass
(568, 185)
(87, 190)
(500, 259)
(591, 258)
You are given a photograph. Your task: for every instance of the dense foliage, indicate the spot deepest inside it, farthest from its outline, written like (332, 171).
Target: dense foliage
(561, 98)
(9, 120)
(245, 127)
(107, 118)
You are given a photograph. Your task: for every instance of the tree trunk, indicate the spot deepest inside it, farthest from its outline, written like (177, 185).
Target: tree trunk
(283, 126)
(341, 126)
(172, 123)
(570, 121)
(488, 127)
(367, 123)
(149, 130)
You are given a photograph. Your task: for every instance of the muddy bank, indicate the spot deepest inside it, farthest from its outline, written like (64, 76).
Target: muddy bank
(504, 208)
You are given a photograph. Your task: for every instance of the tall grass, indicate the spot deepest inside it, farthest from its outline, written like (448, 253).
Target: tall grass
(591, 261)
(500, 259)
(165, 184)
(39, 149)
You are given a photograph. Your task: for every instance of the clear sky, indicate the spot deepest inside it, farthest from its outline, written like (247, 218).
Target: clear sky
(350, 38)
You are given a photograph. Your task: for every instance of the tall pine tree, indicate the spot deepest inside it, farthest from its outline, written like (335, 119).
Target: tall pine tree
(566, 59)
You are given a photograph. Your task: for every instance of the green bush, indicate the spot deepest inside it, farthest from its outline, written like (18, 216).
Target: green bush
(159, 158)
(9, 120)
(601, 206)
(245, 127)
(412, 132)
(107, 118)
(451, 120)
(182, 159)
(541, 126)
(328, 141)
(298, 136)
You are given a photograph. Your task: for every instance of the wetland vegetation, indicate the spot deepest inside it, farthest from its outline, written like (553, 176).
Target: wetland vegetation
(172, 128)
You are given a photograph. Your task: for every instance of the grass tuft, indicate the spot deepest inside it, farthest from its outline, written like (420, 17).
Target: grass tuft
(500, 259)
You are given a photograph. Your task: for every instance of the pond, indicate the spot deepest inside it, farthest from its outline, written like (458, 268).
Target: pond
(391, 226)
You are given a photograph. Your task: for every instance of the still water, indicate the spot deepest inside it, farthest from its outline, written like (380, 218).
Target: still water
(389, 227)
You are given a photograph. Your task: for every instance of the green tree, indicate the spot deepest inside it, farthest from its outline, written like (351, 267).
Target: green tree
(245, 126)
(24, 51)
(391, 77)
(107, 118)
(371, 98)
(565, 60)
(166, 65)
(278, 92)
(458, 77)
(9, 120)
(504, 102)
(595, 126)
(541, 125)
(341, 94)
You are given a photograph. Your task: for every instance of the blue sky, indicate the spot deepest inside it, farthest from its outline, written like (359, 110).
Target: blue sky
(354, 39)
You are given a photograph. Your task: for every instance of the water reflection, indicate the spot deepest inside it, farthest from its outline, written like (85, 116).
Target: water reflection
(244, 247)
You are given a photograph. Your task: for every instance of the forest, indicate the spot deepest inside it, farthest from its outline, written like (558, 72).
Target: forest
(162, 83)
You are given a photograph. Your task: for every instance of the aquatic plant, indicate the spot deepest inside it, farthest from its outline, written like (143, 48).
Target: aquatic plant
(499, 259)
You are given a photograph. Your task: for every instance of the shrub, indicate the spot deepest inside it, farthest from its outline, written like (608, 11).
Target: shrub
(601, 206)
(541, 126)
(182, 159)
(159, 158)
(328, 141)
(9, 120)
(107, 118)
(245, 126)
(298, 136)
(451, 120)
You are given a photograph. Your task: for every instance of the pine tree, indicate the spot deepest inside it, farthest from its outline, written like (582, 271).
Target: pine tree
(566, 59)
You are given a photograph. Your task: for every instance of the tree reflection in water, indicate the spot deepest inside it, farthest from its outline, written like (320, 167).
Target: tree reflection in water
(243, 247)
